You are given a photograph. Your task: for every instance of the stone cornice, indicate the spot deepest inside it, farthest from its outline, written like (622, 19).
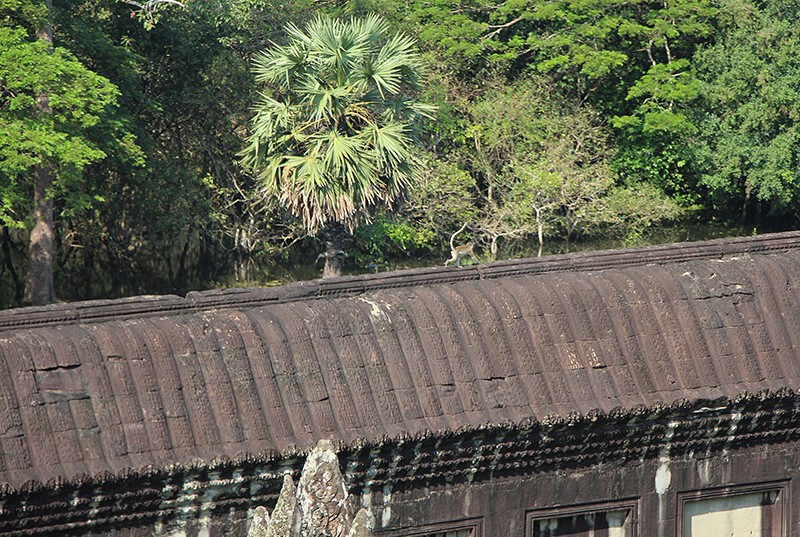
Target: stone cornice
(468, 455)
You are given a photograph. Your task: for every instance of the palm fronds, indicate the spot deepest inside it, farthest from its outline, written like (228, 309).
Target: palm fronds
(333, 137)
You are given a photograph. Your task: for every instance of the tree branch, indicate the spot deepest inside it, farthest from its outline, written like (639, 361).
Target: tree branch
(497, 28)
(151, 5)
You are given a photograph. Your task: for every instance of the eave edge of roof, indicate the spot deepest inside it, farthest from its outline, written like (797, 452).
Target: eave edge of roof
(745, 402)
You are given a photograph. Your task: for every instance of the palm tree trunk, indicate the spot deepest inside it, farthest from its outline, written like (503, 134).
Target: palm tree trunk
(334, 250)
(40, 289)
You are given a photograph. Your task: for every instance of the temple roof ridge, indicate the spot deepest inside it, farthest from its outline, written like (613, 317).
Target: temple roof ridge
(144, 306)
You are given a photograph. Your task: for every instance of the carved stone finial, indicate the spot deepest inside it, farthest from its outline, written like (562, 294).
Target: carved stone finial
(281, 524)
(317, 507)
(259, 523)
(363, 524)
(321, 496)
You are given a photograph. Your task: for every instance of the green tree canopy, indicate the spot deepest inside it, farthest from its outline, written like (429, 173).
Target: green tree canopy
(30, 137)
(545, 163)
(750, 126)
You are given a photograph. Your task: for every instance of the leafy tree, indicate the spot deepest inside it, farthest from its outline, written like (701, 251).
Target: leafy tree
(546, 168)
(333, 138)
(656, 133)
(178, 214)
(456, 31)
(750, 130)
(631, 61)
(49, 104)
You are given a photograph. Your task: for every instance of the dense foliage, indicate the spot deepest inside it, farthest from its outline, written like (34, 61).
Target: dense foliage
(556, 119)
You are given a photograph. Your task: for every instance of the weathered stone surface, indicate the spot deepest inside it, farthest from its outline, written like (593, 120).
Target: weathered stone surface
(168, 412)
(363, 524)
(283, 515)
(321, 496)
(317, 507)
(259, 523)
(119, 391)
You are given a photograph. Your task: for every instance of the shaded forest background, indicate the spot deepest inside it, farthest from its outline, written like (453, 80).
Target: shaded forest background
(557, 120)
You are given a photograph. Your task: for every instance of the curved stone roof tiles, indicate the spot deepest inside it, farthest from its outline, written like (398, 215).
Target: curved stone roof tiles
(93, 387)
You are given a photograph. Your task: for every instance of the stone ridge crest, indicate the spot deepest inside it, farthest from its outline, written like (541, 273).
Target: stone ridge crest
(96, 311)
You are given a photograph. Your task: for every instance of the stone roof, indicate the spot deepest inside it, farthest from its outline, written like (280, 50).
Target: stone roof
(104, 386)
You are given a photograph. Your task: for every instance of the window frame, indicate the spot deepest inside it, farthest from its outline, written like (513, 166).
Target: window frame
(631, 504)
(474, 524)
(782, 501)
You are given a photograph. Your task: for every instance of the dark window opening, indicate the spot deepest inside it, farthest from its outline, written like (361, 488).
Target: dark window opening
(610, 519)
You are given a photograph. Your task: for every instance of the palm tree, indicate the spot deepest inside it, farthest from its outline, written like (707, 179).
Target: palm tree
(332, 137)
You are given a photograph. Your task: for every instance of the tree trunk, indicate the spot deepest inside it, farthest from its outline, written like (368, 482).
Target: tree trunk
(19, 286)
(539, 229)
(334, 250)
(40, 289)
(493, 247)
(745, 205)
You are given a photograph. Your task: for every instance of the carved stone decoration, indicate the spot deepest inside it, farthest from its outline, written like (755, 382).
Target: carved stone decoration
(317, 507)
(259, 523)
(282, 516)
(363, 524)
(321, 495)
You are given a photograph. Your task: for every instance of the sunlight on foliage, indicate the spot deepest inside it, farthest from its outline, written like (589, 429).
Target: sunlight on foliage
(332, 137)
